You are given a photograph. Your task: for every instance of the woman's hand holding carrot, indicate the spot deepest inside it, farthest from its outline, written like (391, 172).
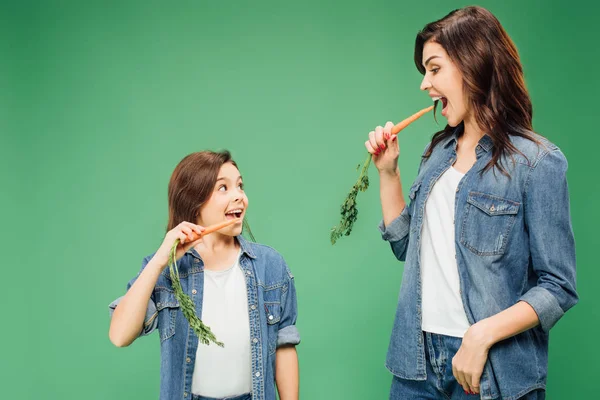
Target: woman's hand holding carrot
(383, 145)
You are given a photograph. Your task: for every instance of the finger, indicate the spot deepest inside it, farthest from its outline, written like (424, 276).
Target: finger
(188, 232)
(369, 147)
(467, 385)
(392, 144)
(373, 142)
(387, 130)
(182, 237)
(459, 376)
(475, 379)
(194, 227)
(455, 373)
(198, 229)
(379, 138)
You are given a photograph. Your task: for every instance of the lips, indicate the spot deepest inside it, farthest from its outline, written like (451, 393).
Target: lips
(234, 213)
(444, 101)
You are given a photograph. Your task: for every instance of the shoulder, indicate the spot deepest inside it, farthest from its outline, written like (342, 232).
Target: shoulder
(537, 150)
(269, 259)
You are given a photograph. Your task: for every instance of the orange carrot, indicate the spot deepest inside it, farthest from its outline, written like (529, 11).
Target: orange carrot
(214, 228)
(401, 125)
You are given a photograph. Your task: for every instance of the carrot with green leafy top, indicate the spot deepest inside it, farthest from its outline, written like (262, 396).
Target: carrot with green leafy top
(348, 210)
(205, 335)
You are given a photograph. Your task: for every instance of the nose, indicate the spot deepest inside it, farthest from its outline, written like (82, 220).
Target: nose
(237, 196)
(425, 84)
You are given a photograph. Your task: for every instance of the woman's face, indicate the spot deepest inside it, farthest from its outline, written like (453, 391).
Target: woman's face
(227, 201)
(444, 81)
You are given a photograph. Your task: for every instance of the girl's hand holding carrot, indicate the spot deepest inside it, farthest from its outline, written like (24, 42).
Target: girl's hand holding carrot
(188, 235)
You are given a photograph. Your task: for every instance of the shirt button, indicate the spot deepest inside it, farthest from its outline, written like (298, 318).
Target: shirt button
(253, 307)
(194, 291)
(478, 147)
(492, 208)
(248, 273)
(270, 317)
(196, 261)
(188, 360)
(257, 374)
(185, 394)
(457, 189)
(255, 340)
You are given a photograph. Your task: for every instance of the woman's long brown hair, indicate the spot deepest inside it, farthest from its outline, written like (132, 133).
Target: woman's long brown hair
(492, 76)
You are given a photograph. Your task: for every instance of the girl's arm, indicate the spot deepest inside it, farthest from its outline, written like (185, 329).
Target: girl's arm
(128, 318)
(286, 373)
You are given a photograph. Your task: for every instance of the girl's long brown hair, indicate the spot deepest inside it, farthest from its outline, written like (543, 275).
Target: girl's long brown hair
(192, 183)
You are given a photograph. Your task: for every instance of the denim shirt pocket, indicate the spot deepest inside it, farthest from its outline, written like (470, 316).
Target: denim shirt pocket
(273, 314)
(487, 223)
(167, 307)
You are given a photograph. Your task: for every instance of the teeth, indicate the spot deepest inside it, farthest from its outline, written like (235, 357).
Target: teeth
(436, 98)
(234, 212)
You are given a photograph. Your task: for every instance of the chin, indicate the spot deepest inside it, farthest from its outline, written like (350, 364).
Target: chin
(234, 231)
(453, 123)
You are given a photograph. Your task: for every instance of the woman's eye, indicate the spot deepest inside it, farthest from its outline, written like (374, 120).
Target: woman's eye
(434, 70)
(222, 188)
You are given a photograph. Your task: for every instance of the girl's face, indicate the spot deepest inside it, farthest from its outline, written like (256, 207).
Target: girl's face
(443, 80)
(227, 201)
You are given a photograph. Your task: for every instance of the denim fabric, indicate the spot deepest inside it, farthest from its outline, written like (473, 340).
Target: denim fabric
(514, 242)
(272, 311)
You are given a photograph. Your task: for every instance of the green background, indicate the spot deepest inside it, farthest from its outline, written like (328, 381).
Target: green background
(101, 99)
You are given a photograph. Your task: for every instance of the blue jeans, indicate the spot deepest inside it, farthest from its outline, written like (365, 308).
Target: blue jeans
(440, 383)
(241, 397)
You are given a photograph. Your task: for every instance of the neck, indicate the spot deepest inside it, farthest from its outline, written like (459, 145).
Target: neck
(216, 243)
(472, 133)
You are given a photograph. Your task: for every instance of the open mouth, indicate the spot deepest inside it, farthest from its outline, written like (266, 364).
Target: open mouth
(235, 213)
(444, 104)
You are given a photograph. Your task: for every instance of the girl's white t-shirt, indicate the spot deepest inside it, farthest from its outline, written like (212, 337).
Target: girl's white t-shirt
(224, 371)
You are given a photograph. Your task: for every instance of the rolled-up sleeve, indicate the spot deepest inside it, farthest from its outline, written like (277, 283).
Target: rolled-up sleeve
(288, 332)
(397, 233)
(551, 240)
(150, 320)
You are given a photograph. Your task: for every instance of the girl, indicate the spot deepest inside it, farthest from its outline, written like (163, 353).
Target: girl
(243, 291)
(487, 237)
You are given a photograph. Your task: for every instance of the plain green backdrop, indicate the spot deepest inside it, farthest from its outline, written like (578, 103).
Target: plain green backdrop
(101, 99)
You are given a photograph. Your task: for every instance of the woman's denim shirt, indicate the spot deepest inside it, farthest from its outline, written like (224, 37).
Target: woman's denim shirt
(271, 306)
(514, 242)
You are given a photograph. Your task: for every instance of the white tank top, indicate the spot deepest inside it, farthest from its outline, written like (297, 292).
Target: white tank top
(442, 307)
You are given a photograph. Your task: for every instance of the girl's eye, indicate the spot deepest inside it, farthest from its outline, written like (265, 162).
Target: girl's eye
(434, 70)
(222, 188)
(241, 186)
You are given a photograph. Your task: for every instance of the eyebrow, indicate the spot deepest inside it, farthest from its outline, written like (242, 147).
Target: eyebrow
(224, 179)
(429, 59)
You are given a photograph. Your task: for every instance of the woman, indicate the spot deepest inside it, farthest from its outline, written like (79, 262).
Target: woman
(486, 236)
